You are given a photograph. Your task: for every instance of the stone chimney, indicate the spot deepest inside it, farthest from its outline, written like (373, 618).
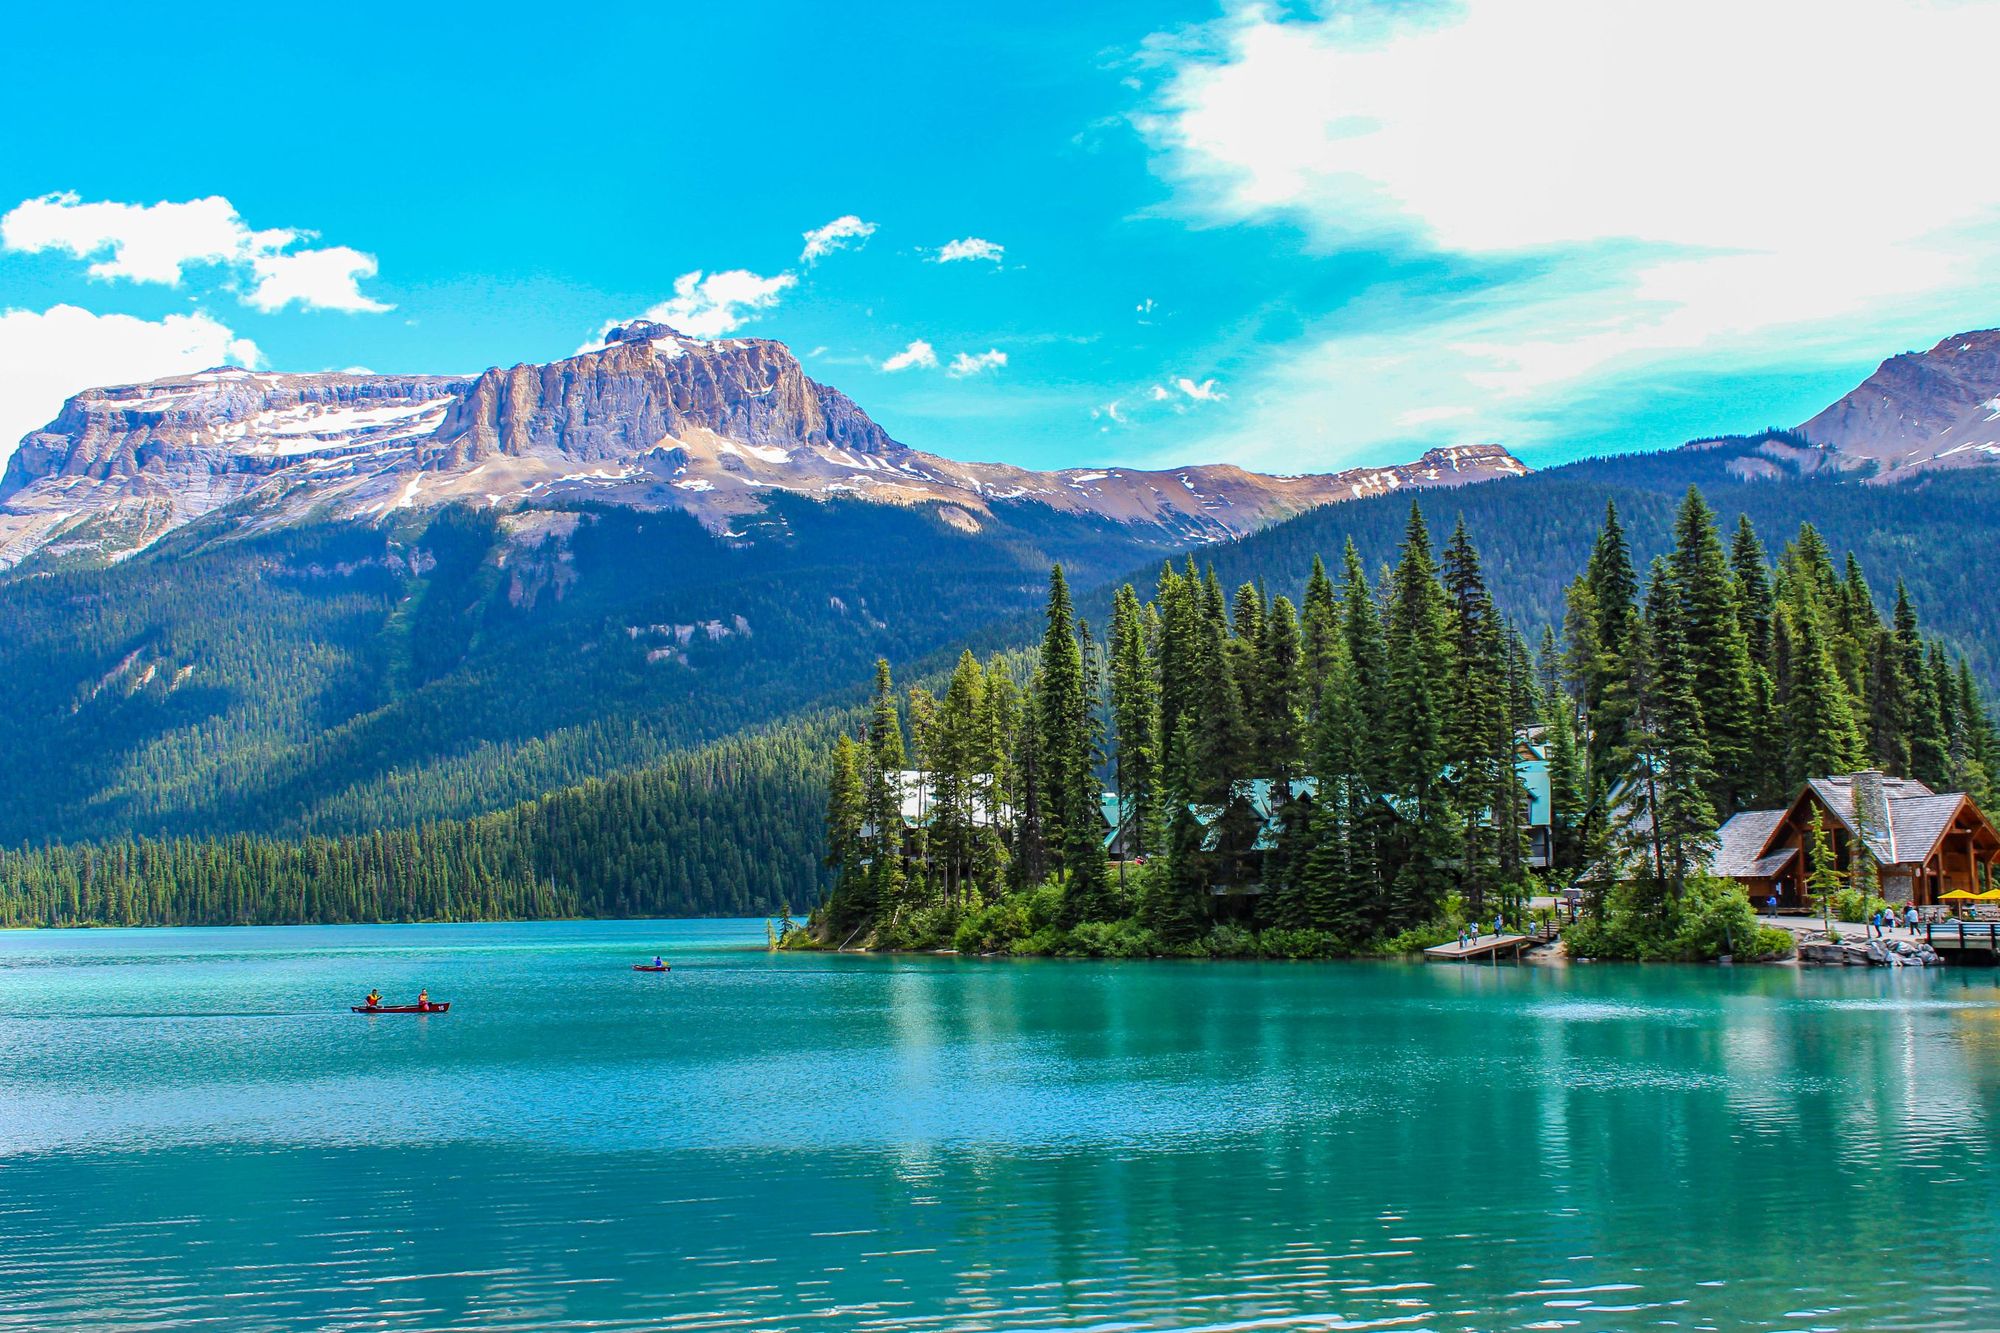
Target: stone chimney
(1871, 807)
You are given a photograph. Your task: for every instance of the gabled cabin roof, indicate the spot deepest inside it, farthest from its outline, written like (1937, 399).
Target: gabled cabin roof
(1260, 796)
(1917, 819)
(1740, 844)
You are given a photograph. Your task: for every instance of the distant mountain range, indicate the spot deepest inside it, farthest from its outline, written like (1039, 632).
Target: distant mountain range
(248, 601)
(653, 420)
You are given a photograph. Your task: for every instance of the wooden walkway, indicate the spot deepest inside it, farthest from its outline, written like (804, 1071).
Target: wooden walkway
(1492, 947)
(1963, 937)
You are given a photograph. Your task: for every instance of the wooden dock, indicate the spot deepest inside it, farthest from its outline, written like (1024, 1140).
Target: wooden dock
(1486, 947)
(1964, 939)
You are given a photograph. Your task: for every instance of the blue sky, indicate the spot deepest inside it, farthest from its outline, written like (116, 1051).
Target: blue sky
(1292, 237)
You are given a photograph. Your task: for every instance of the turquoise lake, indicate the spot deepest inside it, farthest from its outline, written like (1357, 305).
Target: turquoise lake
(196, 1133)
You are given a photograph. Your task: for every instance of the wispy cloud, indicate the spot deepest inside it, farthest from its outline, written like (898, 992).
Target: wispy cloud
(1616, 227)
(160, 242)
(971, 248)
(919, 355)
(839, 234)
(970, 363)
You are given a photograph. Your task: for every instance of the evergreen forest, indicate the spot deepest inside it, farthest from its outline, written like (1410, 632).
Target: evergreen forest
(1336, 773)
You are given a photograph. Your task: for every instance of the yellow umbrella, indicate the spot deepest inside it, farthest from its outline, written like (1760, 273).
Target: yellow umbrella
(1990, 896)
(1963, 896)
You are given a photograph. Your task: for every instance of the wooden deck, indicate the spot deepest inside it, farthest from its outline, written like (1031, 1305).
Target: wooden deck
(1491, 947)
(1964, 937)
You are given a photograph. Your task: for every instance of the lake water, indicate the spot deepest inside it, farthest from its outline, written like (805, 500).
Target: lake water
(194, 1132)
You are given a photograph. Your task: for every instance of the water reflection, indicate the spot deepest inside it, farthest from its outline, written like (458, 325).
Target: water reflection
(949, 1144)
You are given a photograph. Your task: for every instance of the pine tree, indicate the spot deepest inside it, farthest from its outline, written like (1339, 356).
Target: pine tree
(1928, 743)
(1063, 713)
(1754, 606)
(1280, 715)
(1568, 796)
(1820, 732)
(1823, 878)
(1135, 709)
(1679, 760)
(883, 786)
(1719, 650)
(1607, 639)
(1319, 624)
(1476, 733)
(1421, 664)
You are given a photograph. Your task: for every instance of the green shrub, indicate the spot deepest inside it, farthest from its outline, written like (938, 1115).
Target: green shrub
(1113, 939)
(1278, 942)
(1229, 940)
(1712, 918)
(1419, 938)
(1852, 905)
(1049, 941)
(931, 927)
(1045, 904)
(994, 928)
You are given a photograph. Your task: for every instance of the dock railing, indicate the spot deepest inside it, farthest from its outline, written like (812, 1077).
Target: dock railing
(1963, 935)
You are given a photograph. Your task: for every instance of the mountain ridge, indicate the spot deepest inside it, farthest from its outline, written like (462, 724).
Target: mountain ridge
(653, 419)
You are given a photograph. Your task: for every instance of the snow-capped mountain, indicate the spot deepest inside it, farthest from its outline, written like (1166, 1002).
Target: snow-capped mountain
(652, 420)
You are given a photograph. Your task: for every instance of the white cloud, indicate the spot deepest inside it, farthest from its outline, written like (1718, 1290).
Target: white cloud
(47, 356)
(968, 363)
(160, 242)
(317, 279)
(919, 354)
(147, 242)
(1633, 193)
(1204, 392)
(971, 247)
(836, 235)
(712, 305)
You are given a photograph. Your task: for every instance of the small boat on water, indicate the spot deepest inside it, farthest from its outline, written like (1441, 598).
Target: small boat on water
(435, 1008)
(652, 967)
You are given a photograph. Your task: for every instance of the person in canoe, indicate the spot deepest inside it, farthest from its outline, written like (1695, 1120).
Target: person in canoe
(659, 962)
(374, 1000)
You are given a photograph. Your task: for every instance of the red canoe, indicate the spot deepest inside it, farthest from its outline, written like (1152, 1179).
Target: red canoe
(402, 1008)
(648, 967)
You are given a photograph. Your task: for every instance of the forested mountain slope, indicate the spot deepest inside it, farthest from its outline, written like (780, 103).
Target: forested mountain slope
(345, 677)
(1939, 532)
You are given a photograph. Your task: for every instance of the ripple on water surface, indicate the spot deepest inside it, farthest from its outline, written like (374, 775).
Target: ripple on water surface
(193, 1132)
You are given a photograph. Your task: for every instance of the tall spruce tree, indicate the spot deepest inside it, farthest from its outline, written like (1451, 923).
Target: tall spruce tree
(883, 779)
(1421, 665)
(1476, 730)
(1719, 650)
(1063, 711)
(1135, 710)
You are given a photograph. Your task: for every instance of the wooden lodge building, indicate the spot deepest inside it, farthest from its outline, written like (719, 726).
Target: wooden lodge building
(1924, 843)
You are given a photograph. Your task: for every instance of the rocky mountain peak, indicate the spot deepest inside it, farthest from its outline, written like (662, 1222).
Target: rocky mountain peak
(1921, 409)
(641, 330)
(652, 419)
(647, 386)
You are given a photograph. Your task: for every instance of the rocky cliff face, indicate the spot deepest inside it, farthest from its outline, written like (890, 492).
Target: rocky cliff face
(653, 420)
(1921, 410)
(650, 383)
